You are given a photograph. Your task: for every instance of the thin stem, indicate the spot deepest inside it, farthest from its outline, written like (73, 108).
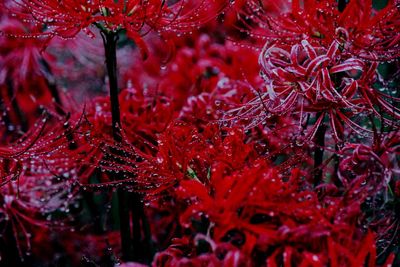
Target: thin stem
(130, 204)
(342, 5)
(110, 48)
(51, 84)
(319, 151)
(124, 224)
(137, 233)
(16, 107)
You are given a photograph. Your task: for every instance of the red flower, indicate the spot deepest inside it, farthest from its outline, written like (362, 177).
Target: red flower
(204, 252)
(365, 30)
(30, 189)
(26, 80)
(374, 165)
(310, 72)
(268, 218)
(368, 175)
(306, 78)
(67, 18)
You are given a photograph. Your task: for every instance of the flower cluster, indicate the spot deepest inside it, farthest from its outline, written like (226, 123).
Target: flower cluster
(205, 133)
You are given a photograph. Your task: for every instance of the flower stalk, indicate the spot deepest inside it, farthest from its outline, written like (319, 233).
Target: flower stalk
(110, 48)
(342, 5)
(320, 134)
(129, 204)
(15, 107)
(51, 84)
(319, 151)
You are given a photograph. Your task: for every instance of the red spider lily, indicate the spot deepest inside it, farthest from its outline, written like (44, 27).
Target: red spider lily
(67, 18)
(232, 197)
(368, 173)
(44, 148)
(377, 160)
(29, 202)
(23, 68)
(39, 175)
(245, 208)
(143, 118)
(365, 30)
(311, 70)
(220, 254)
(45, 143)
(151, 112)
(307, 78)
(175, 157)
(178, 157)
(194, 69)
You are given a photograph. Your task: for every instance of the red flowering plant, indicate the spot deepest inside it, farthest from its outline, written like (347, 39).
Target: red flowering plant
(304, 79)
(38, 176)
(215, 192)
(215, 152)
(371, 173)
(23, 67)
(199, 64)
(324, 76)
(323, 66)
(67, 18)
(234, 216)
(362, 27)
(321, 69)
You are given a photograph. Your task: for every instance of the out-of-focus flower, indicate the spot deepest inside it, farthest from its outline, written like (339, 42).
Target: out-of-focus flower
(397, 188)
(27, 84)
(369, 175)
(207, 66)
(377, 161)
(204, 252)
(131, 264)
(38, 176)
